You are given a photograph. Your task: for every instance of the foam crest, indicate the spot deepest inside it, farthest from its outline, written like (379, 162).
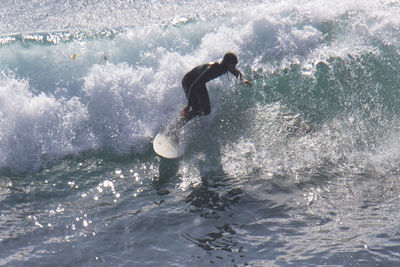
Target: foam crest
(37, 128)
(305, 33)
(124, 84)
(118, 105)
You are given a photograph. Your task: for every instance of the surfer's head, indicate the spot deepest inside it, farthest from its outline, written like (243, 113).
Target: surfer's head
(229, 58)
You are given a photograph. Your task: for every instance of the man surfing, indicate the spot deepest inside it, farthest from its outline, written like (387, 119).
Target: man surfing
(166, 144)
(194, 85)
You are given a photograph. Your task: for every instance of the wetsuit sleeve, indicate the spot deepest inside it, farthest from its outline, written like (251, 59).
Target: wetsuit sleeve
(237, 73)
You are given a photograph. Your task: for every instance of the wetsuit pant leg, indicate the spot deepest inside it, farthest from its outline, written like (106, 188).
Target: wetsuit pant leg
(203, 100)
(199, 102)
(198, 99)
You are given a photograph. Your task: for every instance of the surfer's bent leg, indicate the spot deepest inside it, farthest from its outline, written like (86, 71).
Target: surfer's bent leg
(204, 100)
(199, 102)
(188, 88)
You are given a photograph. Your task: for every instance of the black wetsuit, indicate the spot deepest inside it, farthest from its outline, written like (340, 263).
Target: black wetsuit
(194, 85)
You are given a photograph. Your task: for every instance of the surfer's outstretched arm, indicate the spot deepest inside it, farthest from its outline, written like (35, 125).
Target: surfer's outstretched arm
(239, 75)
(244, 81)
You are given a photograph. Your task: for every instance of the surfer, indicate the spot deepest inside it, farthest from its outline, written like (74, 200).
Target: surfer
(166, 143)
(194, 85)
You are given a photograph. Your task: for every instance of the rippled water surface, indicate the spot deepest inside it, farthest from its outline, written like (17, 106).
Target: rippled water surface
(301, 169)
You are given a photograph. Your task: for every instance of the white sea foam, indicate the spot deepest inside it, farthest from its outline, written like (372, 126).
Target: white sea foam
(120, 89)
(37, 127)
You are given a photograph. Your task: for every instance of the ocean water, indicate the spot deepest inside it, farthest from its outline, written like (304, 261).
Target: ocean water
(301, 169)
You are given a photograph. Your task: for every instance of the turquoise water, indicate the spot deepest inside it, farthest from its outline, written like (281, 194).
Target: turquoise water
(301, 169)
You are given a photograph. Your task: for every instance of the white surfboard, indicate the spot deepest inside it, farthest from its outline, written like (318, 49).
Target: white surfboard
(168, 146)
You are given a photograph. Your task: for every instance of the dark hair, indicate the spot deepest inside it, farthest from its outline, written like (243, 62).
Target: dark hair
(229, 58)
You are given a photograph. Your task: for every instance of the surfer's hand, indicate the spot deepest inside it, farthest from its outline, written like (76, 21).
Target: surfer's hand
(246, 82)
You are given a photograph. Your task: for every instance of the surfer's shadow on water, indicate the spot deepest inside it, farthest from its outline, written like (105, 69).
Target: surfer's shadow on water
(217, 192)
(211, 201)
(167, 173)
(202, 152)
